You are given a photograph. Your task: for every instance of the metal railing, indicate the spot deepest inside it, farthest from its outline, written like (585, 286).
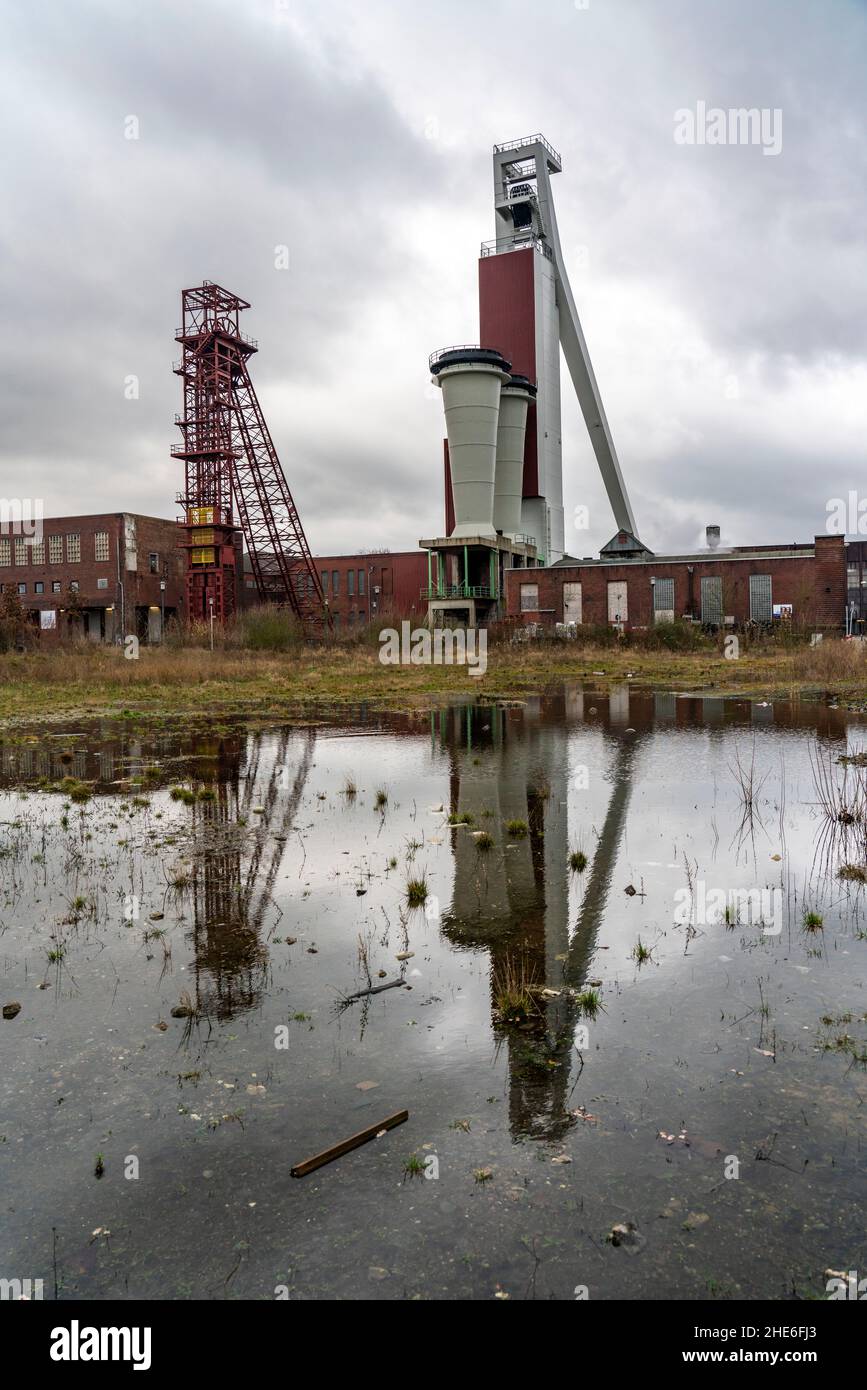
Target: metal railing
(462, 347)
(521, 187)
(528, 140)
(458, 347)
(459, 591)
(199, 330)
(517, 243)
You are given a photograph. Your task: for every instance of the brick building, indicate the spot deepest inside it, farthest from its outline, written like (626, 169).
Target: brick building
(99, 577)
(806, 584)
(856, 584)
(361, 588)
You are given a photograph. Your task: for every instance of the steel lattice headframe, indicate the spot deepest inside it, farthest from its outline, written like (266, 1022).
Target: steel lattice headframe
(230, 457)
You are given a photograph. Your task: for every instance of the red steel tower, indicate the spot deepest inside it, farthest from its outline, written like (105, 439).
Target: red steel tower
(230, 457)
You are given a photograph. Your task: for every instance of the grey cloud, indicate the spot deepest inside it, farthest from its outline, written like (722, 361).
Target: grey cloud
(309, 129)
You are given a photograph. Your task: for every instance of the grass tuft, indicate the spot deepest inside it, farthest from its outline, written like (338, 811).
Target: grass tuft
(417, 891)
(513, 993)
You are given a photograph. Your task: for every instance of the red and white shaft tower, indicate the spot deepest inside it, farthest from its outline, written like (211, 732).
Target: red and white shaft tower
(527, 311)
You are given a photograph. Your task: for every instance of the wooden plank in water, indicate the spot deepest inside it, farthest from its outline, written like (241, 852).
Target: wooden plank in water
(374, 989)
(337, 1150)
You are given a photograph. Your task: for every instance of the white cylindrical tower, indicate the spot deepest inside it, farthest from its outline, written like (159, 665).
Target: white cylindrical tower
(470, 379)
(515, 397)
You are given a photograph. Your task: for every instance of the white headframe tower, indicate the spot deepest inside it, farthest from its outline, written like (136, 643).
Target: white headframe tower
(503, 458)
(527, 311)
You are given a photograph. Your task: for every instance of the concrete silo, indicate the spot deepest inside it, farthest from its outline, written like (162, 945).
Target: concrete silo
(515, 397)
(470, 379)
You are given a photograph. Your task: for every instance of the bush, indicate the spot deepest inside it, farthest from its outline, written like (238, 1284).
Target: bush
(267, 629)
(15, 630)
(678, 636)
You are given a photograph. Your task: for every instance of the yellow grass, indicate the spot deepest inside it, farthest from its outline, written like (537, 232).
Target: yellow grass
(166, 681)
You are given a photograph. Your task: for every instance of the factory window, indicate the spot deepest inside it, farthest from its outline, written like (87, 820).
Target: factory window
(73, 586)
(21, 556)
(529, 598)
(55, 550)
(154, 562)
(361, 581)
(761, 604)
(22, 588)
(73, 548)
(663, 601)
(350, 583)
(39, 587)
(5, 551)
(335, 582)
(37, 553)
(100, 545)
(56, 586)
(102, 583)
(711, 601)
(325, 581)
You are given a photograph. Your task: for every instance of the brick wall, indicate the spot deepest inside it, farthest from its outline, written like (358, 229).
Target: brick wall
(43, 578)
(812, 580)
(507, 322)
(382, 585)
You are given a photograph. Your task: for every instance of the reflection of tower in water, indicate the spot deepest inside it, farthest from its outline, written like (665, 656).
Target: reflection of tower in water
(238, 845)
(514, 764)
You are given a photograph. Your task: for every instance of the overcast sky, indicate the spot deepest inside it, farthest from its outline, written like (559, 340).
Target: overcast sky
(722, 291)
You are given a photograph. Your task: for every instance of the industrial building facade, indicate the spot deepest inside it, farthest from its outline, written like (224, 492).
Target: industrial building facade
(108, 575)
(95, 576)
(805, 584)
(359, 589)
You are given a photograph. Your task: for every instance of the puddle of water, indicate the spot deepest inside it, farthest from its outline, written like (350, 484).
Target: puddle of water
(706, 1059)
